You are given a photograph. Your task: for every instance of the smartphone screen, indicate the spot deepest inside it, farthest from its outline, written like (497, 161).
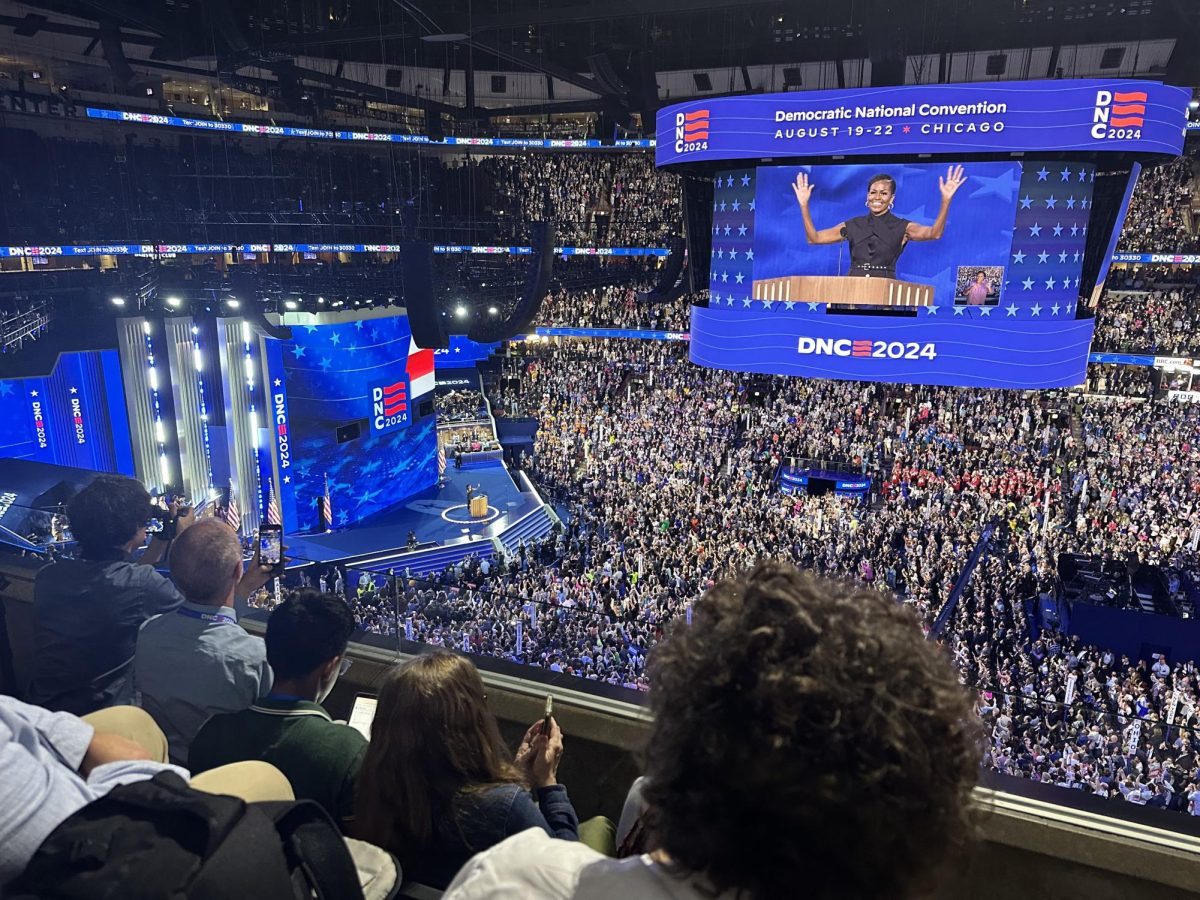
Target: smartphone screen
(270, 545)
(549, 713)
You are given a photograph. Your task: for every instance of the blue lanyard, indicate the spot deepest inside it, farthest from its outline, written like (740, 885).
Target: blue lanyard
(206, 617)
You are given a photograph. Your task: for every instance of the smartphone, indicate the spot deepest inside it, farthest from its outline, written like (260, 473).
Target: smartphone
(270, 545)
(546, 718)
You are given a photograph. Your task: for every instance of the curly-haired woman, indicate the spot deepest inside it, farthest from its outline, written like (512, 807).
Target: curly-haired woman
(808, 741)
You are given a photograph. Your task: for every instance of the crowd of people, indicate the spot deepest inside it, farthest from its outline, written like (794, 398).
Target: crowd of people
(615, 306)
(665, 473)
(1121, 381)
(612, 199)
(225, 188)
(1159, 216)
(182, 762)
(1162, 319)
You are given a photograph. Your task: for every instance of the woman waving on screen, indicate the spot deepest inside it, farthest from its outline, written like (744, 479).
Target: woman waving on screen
(878, 238)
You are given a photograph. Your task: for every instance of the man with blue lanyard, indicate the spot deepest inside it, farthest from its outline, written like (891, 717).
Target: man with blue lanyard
(197, 661)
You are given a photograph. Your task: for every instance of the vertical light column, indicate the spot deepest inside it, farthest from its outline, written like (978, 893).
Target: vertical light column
(240, 371)
(131, 343)
(187, 391)
(166, 471)
(206, 438)
(250, 370)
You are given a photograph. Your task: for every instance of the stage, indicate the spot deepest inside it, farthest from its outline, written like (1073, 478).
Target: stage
(436, 515)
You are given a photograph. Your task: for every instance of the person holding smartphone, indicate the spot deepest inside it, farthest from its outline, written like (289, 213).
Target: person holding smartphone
(197, 661)
(438, 784)
(87, 611)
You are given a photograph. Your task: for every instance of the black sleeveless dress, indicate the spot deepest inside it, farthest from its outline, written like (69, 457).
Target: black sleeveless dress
(875, 244)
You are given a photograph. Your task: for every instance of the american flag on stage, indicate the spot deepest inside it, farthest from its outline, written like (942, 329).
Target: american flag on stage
(274, 516)
(441, 459)
(326, 508)
(233, 516)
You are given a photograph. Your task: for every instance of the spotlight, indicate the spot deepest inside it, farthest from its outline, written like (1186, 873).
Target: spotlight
(1195, 104)
(173, 302)
(492, 311)
(118, 301)
(290, 304)
(320, 299)
(460, 311)
(232, 303)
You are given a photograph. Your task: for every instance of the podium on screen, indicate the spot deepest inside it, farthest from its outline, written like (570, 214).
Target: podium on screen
(843, 289)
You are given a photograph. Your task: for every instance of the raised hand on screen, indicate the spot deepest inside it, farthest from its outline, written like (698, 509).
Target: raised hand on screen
(953, 180)
(803, 189)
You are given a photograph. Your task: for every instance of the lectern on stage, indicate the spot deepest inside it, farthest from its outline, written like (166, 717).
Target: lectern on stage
(479, 506)
(844, 289)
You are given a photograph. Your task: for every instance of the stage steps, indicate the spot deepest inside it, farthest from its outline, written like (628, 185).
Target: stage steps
(532, 527)
(435, 559)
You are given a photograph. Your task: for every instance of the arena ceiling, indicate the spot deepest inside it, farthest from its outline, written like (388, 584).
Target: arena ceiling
(604, 54)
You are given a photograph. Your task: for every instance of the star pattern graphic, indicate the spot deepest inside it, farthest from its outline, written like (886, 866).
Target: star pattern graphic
(733, 239)
(1053, 251)
(325, 384)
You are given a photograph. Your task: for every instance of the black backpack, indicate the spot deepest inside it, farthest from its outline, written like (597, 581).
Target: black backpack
(161, 839)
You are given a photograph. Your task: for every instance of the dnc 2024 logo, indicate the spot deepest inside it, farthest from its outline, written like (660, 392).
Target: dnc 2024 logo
(1119, 114)
(691, 131)
(864, 348)
(389, 407)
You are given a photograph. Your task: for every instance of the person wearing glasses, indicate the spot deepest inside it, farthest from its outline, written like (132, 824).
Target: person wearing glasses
(87, 611)
(306, 641)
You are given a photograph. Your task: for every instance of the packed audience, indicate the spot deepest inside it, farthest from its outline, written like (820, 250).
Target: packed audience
(1121, 381)
(91, 797)
(615, 306)
(1159, 216)
(1162, 319)
(224, 188)
(624, 422)
(614, 199)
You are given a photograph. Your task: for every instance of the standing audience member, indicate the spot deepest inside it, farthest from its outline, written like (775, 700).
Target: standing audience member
(87, 611)
(438, 784)
(306, 646)
(807, 741)
(197, 661)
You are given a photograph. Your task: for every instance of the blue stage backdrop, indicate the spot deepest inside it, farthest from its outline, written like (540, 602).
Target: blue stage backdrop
(74, 417)
(362, 381)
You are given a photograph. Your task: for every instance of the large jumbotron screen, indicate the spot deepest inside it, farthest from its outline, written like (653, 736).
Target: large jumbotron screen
(856, 256)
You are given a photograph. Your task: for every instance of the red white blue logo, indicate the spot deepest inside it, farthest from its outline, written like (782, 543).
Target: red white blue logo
(390, 407)
(1119, 114)
(691, 130)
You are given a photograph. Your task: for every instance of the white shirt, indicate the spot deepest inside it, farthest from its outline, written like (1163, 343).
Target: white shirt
(534, 866)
